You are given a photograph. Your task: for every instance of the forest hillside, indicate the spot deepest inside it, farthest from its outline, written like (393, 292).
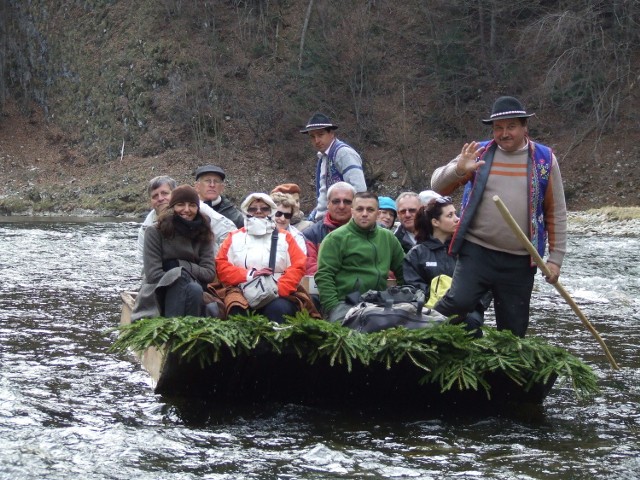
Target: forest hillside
(97, 97)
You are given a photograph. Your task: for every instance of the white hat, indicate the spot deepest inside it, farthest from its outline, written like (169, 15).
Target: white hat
(257, 196)
(427, 196)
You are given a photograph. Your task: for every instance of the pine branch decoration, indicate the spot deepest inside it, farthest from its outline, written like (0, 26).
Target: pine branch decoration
(447, 354)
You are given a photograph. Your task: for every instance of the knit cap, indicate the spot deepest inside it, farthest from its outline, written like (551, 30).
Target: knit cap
(387, 203)
(184, 194)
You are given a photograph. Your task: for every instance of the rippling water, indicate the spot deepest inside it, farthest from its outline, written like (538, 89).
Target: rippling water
(71, 409)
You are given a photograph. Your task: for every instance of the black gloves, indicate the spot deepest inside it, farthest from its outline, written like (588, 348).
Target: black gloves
(169, 264)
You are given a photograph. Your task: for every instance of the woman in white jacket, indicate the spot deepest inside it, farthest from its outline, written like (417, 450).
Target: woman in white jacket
(245, 254)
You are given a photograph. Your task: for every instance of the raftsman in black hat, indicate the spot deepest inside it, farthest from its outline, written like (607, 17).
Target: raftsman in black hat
(318, 121)
(506, 107)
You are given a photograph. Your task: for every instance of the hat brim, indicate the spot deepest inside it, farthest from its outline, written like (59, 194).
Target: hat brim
(214, 171)
(311, 128)
(257, 196)
(489, 121)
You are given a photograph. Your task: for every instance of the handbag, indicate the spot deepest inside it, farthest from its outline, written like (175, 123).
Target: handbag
(262, 290)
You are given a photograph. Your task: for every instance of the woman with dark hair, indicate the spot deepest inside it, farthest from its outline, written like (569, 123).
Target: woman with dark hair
(435, 224)
(178, 260)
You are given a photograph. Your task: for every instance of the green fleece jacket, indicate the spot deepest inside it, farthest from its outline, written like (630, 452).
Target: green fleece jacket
(351, 258)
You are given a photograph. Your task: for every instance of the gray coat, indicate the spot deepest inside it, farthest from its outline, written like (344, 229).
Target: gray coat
(194, 257)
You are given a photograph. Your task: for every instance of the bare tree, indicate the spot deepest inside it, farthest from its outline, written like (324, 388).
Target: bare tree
(304, 33)
(3, 52)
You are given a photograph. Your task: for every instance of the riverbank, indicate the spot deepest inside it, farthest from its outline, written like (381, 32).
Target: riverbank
(614, 221)
(45, 174)
(611, 221)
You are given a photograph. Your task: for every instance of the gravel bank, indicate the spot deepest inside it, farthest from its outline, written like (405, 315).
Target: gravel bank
(600, 222)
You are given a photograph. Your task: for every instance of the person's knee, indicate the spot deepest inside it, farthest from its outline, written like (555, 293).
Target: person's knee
(278, 308)
(212, 310)
(195, 287)
(337, 313)
(454, 304)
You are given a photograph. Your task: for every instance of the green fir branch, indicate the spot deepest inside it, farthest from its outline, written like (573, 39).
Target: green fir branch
(448, 355)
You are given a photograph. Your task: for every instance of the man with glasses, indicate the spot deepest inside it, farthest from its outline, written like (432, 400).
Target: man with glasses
(210, 185)
(356, 257)
(340, 197)
(337, 162)
(525, 174)
(407, 204)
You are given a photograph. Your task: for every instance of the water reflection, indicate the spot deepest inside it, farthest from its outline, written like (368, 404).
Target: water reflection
(71, 409)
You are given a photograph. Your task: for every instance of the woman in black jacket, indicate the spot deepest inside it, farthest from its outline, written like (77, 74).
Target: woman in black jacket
(435, 224)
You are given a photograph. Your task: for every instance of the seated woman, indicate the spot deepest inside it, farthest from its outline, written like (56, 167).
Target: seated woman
(178, 260)
(286, 209)
(245, 253)
(435, 224)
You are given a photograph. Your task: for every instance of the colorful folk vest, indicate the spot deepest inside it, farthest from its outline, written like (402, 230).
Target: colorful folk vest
(332, 174)
(538, 171)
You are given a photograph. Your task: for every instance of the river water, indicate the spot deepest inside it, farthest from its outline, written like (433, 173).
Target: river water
(71, 409)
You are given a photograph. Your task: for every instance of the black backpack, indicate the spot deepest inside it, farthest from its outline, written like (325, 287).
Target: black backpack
(402, 306)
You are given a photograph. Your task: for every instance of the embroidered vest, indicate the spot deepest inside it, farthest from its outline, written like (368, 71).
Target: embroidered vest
(538, 171)
(332, 174)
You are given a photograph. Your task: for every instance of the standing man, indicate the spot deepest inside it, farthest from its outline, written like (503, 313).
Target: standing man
(407, 204)
(339, 212)
(210, 185)
(159, 191)
(526, 176)
(356, 257)
(337, 161)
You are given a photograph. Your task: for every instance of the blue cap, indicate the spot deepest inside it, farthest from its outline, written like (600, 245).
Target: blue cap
(387, 203)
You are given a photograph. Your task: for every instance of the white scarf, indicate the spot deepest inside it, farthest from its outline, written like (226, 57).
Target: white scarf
(259, 226)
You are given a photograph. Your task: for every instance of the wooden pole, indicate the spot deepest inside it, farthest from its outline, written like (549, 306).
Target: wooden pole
(543, 266)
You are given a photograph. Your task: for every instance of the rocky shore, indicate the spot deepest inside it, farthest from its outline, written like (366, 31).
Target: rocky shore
(611, 221)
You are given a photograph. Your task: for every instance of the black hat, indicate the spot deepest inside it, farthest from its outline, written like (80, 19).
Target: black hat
(318, 121)
(210, 169)
(506, 107)
(184, 193)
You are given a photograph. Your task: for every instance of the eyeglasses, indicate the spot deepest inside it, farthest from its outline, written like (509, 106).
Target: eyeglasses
(411, 211)
(285, 214)
(211, 181)
(440, 200)
(337, 201)
(253, 210)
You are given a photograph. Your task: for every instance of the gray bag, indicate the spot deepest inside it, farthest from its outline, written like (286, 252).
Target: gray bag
(262, 290)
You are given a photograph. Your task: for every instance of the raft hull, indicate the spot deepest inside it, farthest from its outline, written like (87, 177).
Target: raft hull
(266, 376)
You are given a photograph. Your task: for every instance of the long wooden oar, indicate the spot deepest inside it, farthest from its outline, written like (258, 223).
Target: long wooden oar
(543, 266)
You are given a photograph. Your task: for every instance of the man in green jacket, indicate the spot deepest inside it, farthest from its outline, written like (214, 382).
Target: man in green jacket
(356, 257)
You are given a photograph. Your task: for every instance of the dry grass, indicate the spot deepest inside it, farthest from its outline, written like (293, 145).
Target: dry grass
(616, 213)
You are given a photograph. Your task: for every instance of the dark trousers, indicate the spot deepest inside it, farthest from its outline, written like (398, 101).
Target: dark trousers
(274, 310)
(508, 277)
(183, 298)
